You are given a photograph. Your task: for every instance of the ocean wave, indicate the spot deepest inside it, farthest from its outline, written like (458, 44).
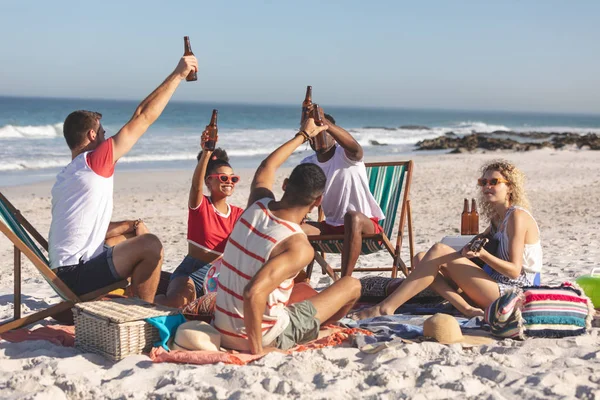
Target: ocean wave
(17, 165)
(31, 131)
(556, 129)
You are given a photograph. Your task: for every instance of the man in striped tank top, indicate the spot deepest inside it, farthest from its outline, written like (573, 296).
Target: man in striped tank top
(266, 250)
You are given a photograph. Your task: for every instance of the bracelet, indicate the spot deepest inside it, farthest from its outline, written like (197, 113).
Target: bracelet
(304, 135)
(136, 223)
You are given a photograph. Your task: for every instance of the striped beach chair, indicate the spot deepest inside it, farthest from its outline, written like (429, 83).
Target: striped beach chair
(389, 183)
(20, 232)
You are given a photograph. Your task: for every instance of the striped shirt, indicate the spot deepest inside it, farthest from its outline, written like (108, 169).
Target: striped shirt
(249, 247)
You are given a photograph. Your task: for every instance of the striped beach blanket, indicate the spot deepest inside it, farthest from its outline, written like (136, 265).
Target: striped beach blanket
(542, 311)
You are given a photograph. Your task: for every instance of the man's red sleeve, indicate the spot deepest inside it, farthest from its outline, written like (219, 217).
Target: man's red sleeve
(101, 159)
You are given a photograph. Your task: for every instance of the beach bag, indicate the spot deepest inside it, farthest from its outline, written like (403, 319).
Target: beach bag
(211, 282)
(541, 311)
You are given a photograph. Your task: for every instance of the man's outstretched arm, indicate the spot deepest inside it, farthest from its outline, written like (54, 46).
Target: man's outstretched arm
(262, 184)
(150, 108)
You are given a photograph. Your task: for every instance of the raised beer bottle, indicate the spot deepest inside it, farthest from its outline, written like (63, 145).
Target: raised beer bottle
(474, 220)
(187, 51)
(465, 219)
(306, 104)
(212, 130)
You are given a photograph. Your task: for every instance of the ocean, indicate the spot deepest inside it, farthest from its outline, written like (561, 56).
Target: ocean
(32, 147)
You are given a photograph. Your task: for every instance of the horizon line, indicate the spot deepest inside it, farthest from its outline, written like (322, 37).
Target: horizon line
(565, 113)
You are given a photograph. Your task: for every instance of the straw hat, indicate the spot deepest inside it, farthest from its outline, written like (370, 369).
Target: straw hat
(196, 335)
(444, 329)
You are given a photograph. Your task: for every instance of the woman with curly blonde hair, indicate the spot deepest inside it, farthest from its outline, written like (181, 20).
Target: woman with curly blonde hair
(515, 263)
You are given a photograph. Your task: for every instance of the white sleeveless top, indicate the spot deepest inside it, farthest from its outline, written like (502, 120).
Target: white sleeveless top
(532, 253)
(249, 247)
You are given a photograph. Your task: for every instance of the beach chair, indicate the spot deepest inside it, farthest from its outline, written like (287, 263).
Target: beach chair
(18, 230)
(389, 183)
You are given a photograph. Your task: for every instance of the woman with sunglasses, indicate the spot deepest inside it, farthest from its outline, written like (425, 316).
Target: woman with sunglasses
(515, 263)
(210, 221)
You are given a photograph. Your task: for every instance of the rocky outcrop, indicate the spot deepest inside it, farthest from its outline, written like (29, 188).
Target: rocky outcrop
(487, 141)
(415, 127)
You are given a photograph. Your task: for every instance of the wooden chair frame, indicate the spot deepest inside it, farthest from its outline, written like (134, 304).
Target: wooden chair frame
(20, 247)
(405, 219)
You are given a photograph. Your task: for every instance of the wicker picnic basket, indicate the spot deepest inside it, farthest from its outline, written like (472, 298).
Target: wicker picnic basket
(116, 328)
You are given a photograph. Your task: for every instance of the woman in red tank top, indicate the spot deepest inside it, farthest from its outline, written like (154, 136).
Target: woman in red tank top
(210, 221)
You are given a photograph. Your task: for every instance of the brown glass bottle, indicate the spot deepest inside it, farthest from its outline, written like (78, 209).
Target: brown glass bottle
(212, 131)
(187, 51)
(306, 104)
(320, 141)
(465, 219)
(474, 219)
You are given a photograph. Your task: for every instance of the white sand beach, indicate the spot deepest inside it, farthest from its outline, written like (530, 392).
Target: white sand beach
(563, 188)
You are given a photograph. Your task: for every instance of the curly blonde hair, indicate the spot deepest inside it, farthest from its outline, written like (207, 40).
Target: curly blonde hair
(516, 182)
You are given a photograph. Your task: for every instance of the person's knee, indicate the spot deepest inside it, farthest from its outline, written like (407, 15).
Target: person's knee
(152, 246)
(352, 219)
(418, 257)
(352, 286)
(440, 248)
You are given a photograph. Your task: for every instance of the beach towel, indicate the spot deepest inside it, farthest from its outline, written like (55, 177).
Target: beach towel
(61, 335)
(65, 336)
(340, 335)
(541, 311)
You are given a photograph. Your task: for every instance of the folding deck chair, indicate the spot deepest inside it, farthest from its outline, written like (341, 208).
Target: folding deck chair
(17, 229)
(389, 183)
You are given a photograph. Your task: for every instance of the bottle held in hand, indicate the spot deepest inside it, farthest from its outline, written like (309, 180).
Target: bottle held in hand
(306, 104)
(187, 51)
(211, 133)
(477, 244)
(319, 141)
(465, 219)
(474, 219)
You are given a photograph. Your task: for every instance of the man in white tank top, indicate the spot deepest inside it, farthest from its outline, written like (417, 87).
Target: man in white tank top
(263, 255)
(350, 208)
(82, 201)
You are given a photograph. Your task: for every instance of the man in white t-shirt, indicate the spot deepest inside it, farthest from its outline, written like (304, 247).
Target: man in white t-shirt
(82, 202)
(350, 208)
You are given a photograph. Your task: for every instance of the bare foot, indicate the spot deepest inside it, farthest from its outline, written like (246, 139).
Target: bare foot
(474, 312)
(370, 312)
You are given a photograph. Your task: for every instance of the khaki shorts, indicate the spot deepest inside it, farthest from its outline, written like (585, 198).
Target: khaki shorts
(303, 326)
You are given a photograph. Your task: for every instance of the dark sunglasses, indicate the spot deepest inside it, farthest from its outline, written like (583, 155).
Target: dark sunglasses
(227, 178)
(491, 182)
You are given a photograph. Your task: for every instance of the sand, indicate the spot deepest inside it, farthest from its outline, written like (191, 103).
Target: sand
(563, 187)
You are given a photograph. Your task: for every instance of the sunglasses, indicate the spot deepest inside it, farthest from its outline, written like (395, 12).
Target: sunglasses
(227, 178)
(491, 182)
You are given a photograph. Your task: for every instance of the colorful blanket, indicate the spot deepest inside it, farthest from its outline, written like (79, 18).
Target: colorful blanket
(65, 336)
(543, 311)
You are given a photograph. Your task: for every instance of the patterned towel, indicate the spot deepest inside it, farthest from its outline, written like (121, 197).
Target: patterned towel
(543, 311)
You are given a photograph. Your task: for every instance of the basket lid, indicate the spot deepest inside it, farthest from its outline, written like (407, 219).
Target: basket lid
(125, 309)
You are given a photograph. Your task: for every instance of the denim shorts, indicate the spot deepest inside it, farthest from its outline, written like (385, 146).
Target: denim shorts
(195, 270)
(303, 326)
(90, 275)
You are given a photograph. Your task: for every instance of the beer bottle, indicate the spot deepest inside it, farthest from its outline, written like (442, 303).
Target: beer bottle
(465, 219)
(474, 221)
(187, 51)
(212, 131)
(306, 104)
(318, 116)
(319, 141)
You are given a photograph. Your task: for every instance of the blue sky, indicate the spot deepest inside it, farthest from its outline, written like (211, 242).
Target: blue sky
(510, 55)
